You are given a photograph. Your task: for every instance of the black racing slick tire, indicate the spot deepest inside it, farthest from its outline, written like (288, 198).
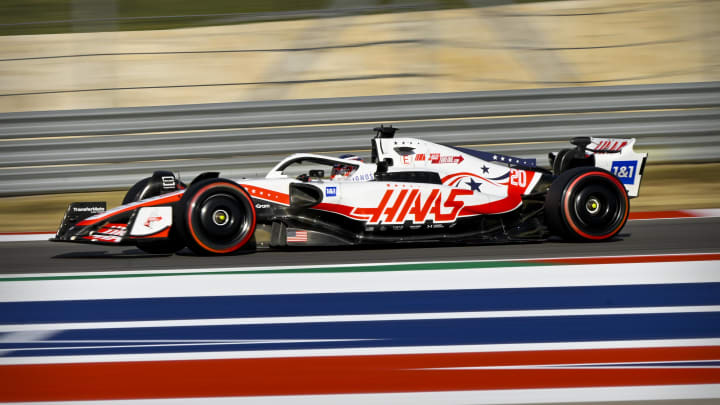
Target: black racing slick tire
(586, 204)
(136, 191)
(146, 188)
(217, 216)
(562, 162)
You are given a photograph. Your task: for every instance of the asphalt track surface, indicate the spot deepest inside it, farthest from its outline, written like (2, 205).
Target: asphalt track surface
(639, 237)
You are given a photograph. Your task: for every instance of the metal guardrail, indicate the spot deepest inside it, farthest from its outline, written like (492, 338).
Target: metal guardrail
(80, 150)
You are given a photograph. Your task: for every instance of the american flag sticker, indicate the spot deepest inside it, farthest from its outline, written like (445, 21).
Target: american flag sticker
(294, 235)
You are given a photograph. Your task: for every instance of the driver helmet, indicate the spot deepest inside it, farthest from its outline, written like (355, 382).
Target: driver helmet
(344, 170)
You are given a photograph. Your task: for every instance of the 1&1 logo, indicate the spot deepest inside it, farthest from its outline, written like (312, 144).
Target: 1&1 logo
(625, 170)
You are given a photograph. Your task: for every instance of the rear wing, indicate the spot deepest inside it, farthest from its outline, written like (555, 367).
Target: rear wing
(618, 157)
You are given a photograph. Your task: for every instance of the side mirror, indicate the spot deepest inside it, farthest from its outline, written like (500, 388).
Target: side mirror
(580, 142)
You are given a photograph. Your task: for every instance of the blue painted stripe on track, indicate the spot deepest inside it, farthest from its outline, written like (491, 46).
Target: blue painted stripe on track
(429, 332)
(689, 294)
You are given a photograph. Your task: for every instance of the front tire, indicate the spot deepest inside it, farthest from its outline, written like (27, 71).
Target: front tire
(217, 216)
(587, 204)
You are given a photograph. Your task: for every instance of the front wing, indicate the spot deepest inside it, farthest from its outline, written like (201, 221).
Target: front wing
(147, 219)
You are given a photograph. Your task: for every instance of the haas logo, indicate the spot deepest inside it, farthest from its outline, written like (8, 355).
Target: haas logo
(398, 206)
(151, 220)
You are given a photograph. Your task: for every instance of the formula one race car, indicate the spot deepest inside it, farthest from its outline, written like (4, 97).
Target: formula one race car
(412, 191)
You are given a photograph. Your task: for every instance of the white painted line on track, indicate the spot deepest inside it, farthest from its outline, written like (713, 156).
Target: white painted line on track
(25, 237)
(375, 281)
(73, 345)
(685, 364)
(672, 218)
(355, 318)
(705, 213)
(364, 351)
(25, 337)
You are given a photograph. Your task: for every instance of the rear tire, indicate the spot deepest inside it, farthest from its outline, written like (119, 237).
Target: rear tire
(217, 216)
(562, 162)
(587, 204)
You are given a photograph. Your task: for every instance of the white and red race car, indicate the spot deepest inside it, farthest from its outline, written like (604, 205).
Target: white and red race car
(411, 191)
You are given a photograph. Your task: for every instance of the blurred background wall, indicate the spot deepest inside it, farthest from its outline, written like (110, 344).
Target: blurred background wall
(119, 53)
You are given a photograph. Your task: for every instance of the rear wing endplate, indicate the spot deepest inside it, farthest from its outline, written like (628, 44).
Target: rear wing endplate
(618, 157)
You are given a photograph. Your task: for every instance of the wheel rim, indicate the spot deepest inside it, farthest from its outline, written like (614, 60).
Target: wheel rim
(597, 208)
(593, 205)
(221, 218)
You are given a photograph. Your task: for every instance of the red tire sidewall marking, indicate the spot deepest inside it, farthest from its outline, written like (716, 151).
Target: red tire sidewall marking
(566, 205)
(192, 208)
